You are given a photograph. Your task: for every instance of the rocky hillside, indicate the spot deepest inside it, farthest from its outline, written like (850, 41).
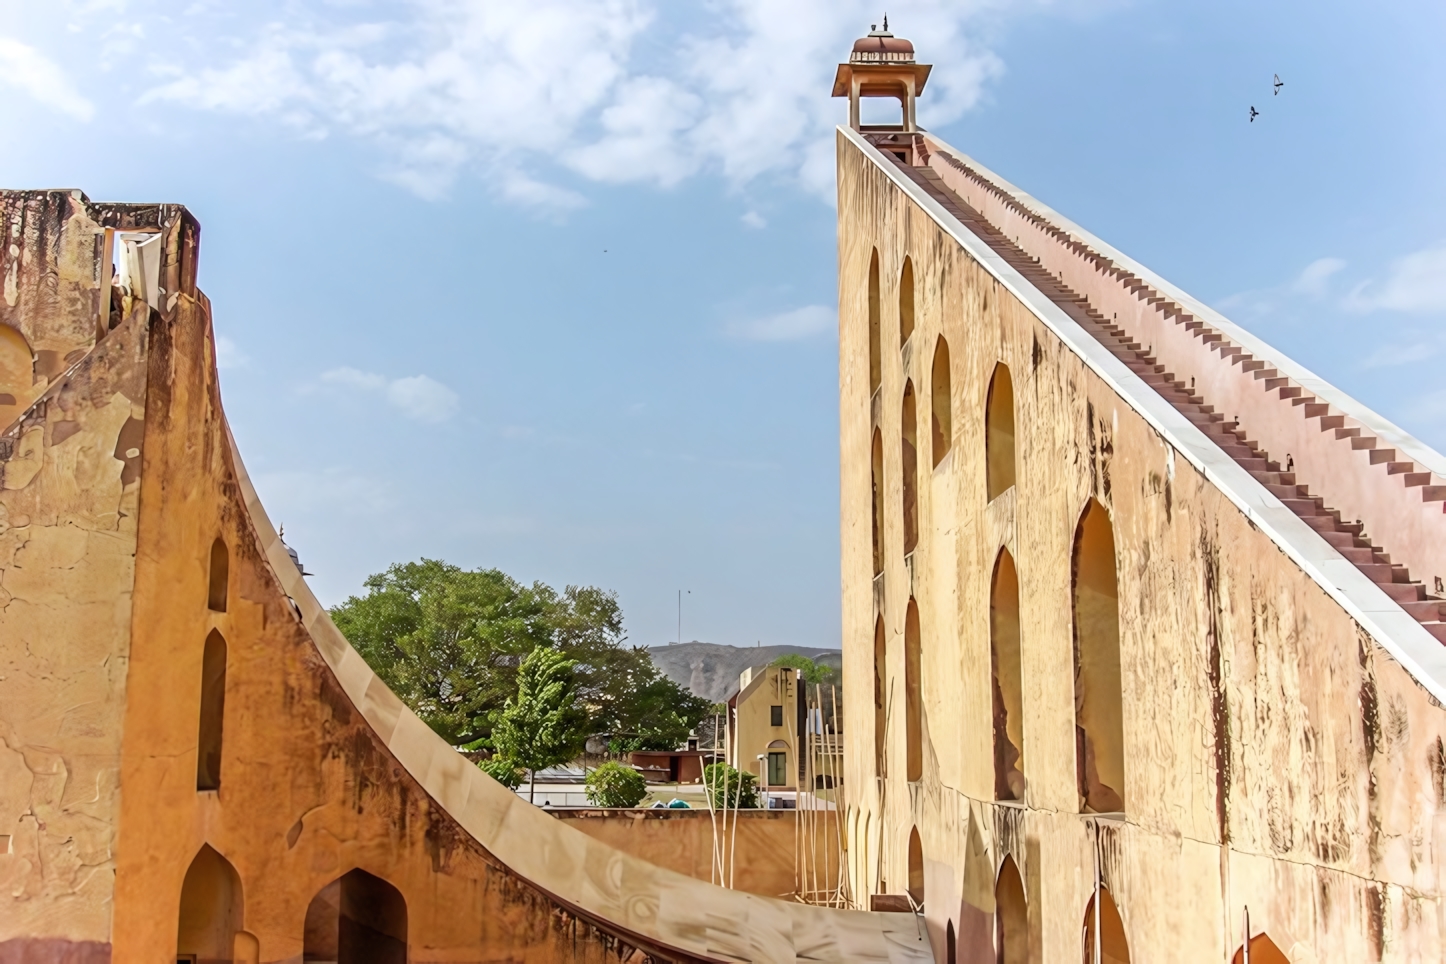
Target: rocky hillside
(711, 670)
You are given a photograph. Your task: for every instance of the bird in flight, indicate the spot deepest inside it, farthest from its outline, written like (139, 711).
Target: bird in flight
(1253, 114)
(1278, 84)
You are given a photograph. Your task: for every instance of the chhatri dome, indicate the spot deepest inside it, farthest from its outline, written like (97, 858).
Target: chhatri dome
(881, 65)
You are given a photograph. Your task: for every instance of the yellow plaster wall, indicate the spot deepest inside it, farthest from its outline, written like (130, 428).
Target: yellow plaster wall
(1275, 757)
(754, 731)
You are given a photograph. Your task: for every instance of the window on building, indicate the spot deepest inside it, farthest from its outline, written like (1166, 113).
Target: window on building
(876, 369)
(1005, 663)
(881, 676)
(913, 696)
(356, 919)
(775, 716)
(1011, 916)
(943, 420)
(909, 429)
(220, 573)
(777, 768)
(213, 713)
(211, 909)
(999, 432)
(1112, 947)
(877, 480)
(1099, 714)
(916, 867)
(906, 301)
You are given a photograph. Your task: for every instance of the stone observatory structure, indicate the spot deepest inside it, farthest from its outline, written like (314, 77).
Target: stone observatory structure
(1148, 615)
(194, 764)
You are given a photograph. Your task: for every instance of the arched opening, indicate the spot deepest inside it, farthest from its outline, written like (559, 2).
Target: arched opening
(906, 301)
(916, 867)
(211, 909)
(910, 432)
(881, 676)
(999, 432)
(1011, 916)
(876, 368)
(356, 919)
(951, 945)
(17, 375)
(943, 421)
(1112, 948)
(913, 697)
(1099, 715)
(1005, 662)
(1262, 951)
(778, 764)
(877, 479)
(213, 713)
(220, 572)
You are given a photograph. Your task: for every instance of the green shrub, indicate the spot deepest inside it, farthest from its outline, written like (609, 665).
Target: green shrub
(614, 785)
(728, 787)
(502, 770)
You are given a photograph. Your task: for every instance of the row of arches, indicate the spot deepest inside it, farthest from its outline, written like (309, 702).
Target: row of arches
(999, 446)
(1098, 684)
(356, 919)
(906, 315)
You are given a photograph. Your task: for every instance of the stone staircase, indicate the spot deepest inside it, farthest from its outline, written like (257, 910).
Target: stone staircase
(1346, 536)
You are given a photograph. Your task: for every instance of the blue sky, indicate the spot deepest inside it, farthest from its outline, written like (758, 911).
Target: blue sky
(550, 285)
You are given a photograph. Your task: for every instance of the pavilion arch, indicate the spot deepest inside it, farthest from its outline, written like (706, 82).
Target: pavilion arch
(212, 908)
(1098, 690)
(876, 479)
(906, 301)
(1011, 915)
(913, 696)
(881, 679)
(17, 375)
(876, 365)
(220, 576)
(909, 432)
(916, 867)
(943, 416)
(356, 919)
(1262, 951)
(213, 713)
(1007, 669)
(999, 432)
(1113, 947)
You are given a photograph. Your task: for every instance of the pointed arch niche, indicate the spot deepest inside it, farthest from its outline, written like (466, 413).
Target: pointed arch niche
(906, 301)
(913, 696)
(211, 909)
(881, 678)
(1005, 663)
(916, 867)
(943, 417)
(1113, 947)
(876, 479)
(220, 574)
(213, 713)
(876, 367)
(17, 375)
(356, 919)
(1099, 715)
(909, 431)
(1011, 916)
(999, 432)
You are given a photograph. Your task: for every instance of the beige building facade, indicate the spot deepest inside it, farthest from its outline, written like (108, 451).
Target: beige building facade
(1142, 620)
(765, 719)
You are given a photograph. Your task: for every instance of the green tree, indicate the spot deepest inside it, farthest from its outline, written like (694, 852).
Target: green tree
(614, 785)
(814, 674)
(729, 787)
(503, 770)
(543, 725)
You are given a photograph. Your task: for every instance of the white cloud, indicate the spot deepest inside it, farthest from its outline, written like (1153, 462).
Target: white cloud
(25, 67)
(418, 396)
(527, 92)
(1315, 279)
(788, 326)
(754, 220)
(1416, 283)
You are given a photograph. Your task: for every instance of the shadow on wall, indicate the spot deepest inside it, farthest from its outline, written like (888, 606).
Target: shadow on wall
(356, 919)
(1099, 715)
(1111, 947)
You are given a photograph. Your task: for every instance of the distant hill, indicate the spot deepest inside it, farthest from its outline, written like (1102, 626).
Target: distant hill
(711, 670)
